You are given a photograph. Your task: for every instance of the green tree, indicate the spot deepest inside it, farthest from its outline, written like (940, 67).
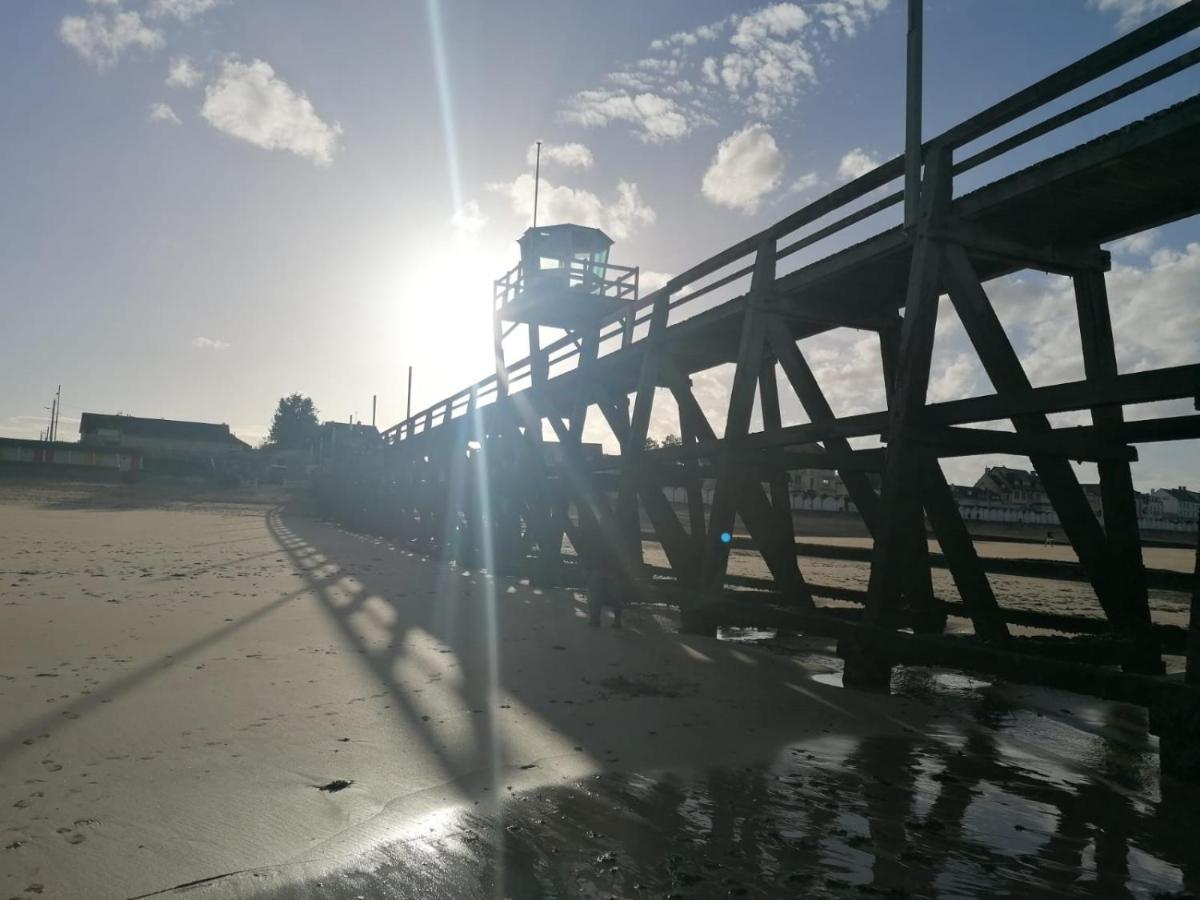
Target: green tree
(295, 422)
(672, 440)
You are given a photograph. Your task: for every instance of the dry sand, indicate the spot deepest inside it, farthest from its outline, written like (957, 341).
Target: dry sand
(178, 679)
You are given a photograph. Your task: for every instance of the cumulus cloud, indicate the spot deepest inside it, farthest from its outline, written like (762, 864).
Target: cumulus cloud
(805, 183)
(161, 112)
(650, 281)
(570, 155)
(249, 102)
(183, 10)
(654, 118)
(759, 62)
(182, 73)
(620, 217)
(102, 38)
(468, 220)
(855, 164)
(1141, 244)
(767, 64)
(748, 165)
(1131, 13)
(203, 343)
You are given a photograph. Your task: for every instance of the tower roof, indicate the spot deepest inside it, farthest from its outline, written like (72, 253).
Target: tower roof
(581, 237)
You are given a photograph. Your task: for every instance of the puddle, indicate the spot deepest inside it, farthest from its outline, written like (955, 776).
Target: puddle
(969, 810)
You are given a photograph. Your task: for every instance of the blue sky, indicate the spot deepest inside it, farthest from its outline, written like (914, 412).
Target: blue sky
(212, 203)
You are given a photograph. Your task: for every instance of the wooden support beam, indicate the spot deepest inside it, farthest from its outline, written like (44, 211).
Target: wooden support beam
(797, 310)
(777, 475)
(958, 548)
(589, 349)
(1058, 478)
(812, 398)
(634, 443)
(1193, 641)
(918, 575)
(752, 502)
(900, 504)
(669, 532)
(1117, 494)
(732, 488)
(980, 241)
(676, 543)
(956, 440)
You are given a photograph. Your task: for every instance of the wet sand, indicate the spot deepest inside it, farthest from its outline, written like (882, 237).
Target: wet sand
(178, 680)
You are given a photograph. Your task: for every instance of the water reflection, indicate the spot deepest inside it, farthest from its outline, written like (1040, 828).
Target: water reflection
(999, 799)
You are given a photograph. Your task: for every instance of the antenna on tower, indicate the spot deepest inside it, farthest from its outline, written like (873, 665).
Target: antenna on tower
(537, 176)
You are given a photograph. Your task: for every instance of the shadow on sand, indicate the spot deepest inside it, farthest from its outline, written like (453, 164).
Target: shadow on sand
(971, 808)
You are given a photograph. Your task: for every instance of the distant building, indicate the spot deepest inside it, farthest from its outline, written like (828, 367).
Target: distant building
(1179, 504)
(1149, 506)
(818, 482)
(342, 442)
(165, 443)
(61, 453)
(1014, 486)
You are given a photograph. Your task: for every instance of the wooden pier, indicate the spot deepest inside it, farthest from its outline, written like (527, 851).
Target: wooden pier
(475, 476)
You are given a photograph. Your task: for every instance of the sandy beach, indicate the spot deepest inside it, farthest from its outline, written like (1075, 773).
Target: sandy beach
(226, 693)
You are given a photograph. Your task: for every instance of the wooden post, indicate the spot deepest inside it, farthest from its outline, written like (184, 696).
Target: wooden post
(781, 498)
(900, 505)
(1118, 498)
(733, 484)
(1193, 644)
(634, 443)
(751, 501)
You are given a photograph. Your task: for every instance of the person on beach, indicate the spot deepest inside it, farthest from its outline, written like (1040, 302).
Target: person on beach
(605, 587)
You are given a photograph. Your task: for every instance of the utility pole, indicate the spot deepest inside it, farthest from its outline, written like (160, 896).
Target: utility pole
(537, 177)
(57, 413)
(912, 108)
(373, 397)
(408, 405)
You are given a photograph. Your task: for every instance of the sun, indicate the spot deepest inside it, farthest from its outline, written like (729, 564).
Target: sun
(442, 314)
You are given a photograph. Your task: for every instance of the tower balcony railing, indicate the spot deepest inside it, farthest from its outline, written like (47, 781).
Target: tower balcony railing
(579, 276)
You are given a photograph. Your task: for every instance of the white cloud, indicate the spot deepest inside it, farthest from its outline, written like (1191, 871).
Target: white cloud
(620, 218)
(766, 58)
(654, 118)
(183, 10)
(1131, 13)
(102, 38)
(804, 183)
(843, 17)
(468, 221)
(248, 102)
(747, 166)
(650, 281)
(571, 155)
(689, 38)
(855, 164)
(1140, 244)
(182, 73)
(768, 64)
(203, 343)
(161, 112)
